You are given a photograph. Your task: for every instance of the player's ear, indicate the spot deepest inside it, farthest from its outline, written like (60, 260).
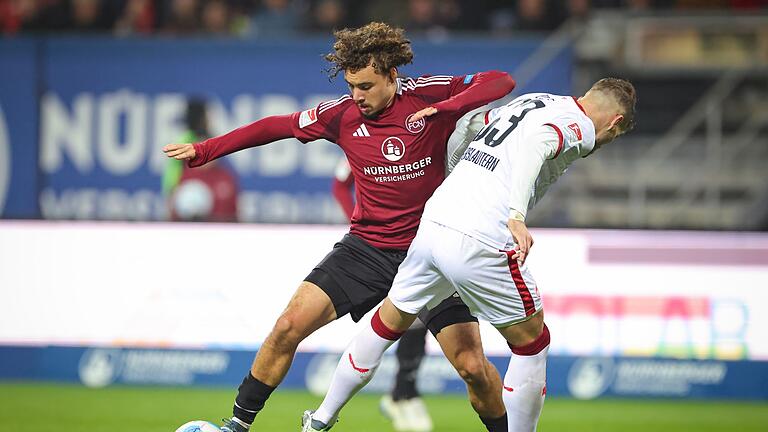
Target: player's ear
(393, 74)
(616, 120)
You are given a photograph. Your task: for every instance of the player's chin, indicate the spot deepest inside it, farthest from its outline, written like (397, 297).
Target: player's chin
(368, 112)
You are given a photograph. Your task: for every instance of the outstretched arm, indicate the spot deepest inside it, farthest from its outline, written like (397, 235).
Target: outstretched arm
(485, 87)
(258, 133)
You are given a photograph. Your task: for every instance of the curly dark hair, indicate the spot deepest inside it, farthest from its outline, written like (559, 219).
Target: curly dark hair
(378, 43)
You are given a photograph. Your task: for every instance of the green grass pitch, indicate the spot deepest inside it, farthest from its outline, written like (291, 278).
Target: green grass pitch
(38, 407)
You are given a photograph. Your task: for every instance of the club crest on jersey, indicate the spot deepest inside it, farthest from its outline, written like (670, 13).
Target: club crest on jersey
(307, 117)
(415, 126)
(393, 149)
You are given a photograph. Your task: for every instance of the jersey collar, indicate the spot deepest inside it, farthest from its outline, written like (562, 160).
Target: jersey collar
(576, 101)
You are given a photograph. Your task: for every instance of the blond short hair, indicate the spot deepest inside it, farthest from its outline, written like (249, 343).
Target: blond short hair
(623, 93)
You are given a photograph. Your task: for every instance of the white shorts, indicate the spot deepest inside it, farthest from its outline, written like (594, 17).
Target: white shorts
(442, 261)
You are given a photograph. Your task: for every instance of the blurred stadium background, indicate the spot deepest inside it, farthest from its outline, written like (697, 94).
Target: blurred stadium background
(652, 255)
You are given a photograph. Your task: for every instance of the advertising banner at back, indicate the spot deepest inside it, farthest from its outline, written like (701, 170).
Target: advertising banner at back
(83, 121)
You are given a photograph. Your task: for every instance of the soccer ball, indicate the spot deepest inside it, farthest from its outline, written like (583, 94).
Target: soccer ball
(198, 426)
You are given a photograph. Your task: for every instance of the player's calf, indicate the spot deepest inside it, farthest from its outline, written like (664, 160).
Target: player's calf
(525, 384)
(463, 347)
(356, 367)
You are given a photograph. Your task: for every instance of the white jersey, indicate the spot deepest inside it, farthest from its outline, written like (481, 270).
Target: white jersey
(524, 147)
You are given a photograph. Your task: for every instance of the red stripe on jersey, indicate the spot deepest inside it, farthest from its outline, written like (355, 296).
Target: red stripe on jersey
(522, 288)
(559, 138)
(579, 105)
(485, 120)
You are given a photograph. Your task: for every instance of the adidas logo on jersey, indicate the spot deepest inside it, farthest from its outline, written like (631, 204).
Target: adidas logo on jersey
(362, 131)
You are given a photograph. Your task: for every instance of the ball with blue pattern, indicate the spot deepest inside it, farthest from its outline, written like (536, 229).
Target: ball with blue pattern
(198, 426)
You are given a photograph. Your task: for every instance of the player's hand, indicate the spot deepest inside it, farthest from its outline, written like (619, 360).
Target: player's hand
(426, 112)
(522, 238)
(180, 151)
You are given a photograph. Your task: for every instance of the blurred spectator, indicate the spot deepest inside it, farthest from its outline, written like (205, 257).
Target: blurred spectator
(501, 21)
(326, 16)
(15, 14)
(137, 16)
(753, 5)
(89, 16)
(183, 17)
(422, 15)
(702, 4)
(206, 193)
(450, 14)
(535, 15)
(280, 18)
(393, 12)
(639, 5)
(429, 18)
(216, 17)
(276, 18)
(578, 9)
(33, 15)
(424, 18)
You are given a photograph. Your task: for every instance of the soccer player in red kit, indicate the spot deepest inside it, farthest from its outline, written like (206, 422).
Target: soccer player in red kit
(393, 131)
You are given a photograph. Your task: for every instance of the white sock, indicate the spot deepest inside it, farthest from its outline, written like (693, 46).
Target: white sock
(525, 386)
(356, 367)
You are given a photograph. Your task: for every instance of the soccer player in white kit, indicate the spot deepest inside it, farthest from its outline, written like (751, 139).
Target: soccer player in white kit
(473, 239)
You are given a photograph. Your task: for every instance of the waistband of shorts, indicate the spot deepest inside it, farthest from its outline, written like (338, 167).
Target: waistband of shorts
(357, 241)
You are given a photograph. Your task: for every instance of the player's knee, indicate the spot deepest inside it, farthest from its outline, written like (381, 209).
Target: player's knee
(288, 331)
(471, 368)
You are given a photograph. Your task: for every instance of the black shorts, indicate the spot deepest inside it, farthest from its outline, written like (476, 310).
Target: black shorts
(358, 276)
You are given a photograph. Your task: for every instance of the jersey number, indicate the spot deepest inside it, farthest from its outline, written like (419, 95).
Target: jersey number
(489, 132)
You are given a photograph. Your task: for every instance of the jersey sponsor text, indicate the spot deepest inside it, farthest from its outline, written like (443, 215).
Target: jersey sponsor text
(398, 178)
(402, 172)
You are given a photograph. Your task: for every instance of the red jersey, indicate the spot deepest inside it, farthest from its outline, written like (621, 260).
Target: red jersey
(396, 163)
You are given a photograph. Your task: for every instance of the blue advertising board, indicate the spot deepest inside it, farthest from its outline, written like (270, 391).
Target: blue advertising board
(82, 120)
(578, 377)
(19, 77)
